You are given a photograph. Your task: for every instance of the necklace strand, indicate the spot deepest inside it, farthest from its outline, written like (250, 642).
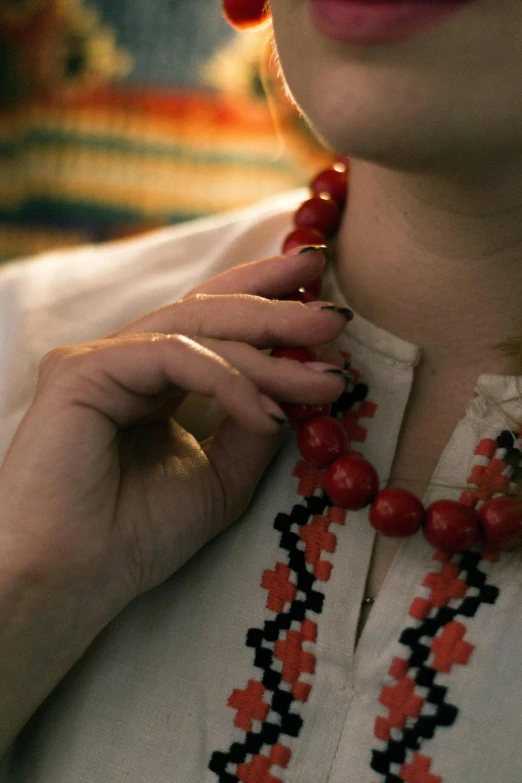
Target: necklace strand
(351, 481)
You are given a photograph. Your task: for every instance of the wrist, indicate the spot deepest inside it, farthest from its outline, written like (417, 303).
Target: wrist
(45, 627)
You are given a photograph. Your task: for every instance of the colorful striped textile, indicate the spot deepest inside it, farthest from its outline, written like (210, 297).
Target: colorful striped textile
(116, 156)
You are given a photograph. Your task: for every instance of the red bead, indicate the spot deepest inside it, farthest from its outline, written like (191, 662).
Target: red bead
(333, 182)
(342, 160)
(314, 286)
(351, 482)
(297, 413)
(451, 526)
(296, 354)
(319, 214)
(301, 295)
(303, 237)
(322, 440)
(501, 520)
(396, 512)
(245, 13)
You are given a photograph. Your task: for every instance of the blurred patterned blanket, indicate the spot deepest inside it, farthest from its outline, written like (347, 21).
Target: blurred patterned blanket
(108, 125)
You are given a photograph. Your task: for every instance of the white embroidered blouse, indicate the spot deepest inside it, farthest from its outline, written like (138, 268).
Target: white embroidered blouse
(243, 666)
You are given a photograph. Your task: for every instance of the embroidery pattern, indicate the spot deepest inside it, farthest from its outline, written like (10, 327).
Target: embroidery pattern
(437, 642)
(283, 646)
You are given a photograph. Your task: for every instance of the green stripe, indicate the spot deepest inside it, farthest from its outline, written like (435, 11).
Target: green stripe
(44, 137)
(79, 214)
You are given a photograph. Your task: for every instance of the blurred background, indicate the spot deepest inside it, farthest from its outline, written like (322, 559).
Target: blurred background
(118, 116)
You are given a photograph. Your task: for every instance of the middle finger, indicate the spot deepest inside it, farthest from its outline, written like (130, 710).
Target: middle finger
(261, 322)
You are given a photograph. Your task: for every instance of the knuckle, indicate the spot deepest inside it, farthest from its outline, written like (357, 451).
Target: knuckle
(55, 370)
(53, 359)
(179, 341)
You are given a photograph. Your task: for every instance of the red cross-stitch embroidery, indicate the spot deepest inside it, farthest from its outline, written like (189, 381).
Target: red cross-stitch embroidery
(489, 479)
(353, 429)
(309, 630)
(280, 755)
(486, 448)
(317, 537)
(420, 608)
(249, 705)
(401, 701)
(258, 769)
(367, 409)
(301, 690)
(382, 728)
(445, 585)
(288, 644)
(419, 771)
(337, 515)
(398, 669)
(310, 478)
(295, 660)
(280, 588)
(449, 648)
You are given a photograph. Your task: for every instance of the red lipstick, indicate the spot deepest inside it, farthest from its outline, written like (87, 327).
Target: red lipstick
(379, 21)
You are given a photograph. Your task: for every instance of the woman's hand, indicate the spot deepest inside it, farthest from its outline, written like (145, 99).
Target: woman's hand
(101, 488)
(103, 495)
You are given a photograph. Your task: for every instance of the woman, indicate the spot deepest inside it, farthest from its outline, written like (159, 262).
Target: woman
(249, 664)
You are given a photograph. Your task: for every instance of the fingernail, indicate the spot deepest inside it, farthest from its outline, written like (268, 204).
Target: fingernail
(341, 373)
(281, 421)
(328, 369)
(322, 367)
(297, 251)
(311, 249)
(328, 306)
(273, 410)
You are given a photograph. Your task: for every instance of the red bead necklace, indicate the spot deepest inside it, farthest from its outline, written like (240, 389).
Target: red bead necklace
(351, 481)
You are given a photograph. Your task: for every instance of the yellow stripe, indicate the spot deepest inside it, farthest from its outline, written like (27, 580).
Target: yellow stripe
(199, 134)
(24, 241)
(132, 127)
(148, 185)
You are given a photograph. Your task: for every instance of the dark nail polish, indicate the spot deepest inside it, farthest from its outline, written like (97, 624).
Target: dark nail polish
(348, 314)
(282, 422)
(311, 248)
(341, 373)
(347, 364)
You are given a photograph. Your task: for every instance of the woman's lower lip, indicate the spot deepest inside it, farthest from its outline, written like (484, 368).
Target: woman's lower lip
(379, 21)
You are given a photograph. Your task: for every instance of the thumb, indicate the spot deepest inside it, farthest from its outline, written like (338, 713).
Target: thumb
(240, 457)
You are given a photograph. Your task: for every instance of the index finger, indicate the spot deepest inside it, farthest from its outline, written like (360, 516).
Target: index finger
(270, 278)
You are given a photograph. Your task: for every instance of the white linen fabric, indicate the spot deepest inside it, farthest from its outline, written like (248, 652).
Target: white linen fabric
(429, 694)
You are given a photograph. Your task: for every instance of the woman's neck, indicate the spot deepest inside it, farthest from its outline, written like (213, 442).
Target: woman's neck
(436, 261)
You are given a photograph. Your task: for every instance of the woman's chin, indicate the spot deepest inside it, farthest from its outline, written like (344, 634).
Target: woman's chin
(399, 126)
(378, 137)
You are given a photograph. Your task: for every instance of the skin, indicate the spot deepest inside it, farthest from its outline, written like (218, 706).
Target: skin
(433, 128)
(104, 495)
(432, 125)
